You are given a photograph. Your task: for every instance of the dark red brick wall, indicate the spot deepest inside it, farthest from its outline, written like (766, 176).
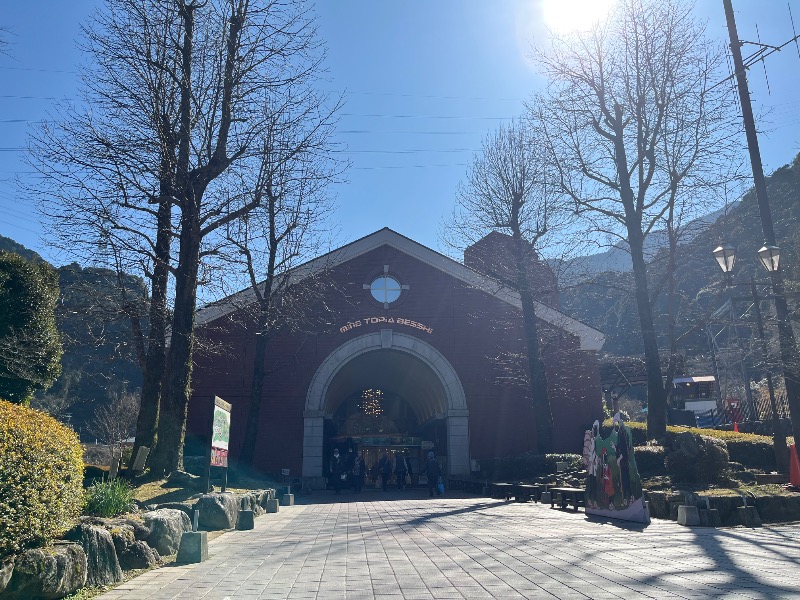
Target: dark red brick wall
(469, 327)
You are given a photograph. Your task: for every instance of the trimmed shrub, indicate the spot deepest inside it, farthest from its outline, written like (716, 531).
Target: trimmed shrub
(109, 498)
(753, 451)
(696, 460)
(527, 465)
(650, 460)
(41, 475)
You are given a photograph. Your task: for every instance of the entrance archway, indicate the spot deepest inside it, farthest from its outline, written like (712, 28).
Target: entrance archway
(404, 365)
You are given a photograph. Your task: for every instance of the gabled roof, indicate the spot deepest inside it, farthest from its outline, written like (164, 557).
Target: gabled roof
(590, 338)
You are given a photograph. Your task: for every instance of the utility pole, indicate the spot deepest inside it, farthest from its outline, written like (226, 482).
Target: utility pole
(789, 355)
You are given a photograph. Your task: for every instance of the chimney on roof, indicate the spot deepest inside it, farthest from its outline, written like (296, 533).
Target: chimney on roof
(492, 256)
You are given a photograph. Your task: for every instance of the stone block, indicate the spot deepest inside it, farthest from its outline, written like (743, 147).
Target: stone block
(272, 505)
(546, 498)
(287, 500)
(673, 509)
(688, 515)
(193, 548)
(748, 516)
(246, 520)
(710, 517)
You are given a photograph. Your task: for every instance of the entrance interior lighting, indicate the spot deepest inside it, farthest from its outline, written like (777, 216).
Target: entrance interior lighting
(371, 402)
(770, 257)
(725, 255)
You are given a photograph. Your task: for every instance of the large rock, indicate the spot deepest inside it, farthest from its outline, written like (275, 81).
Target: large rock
(101, 556)
(218, 511)
(140, 530)
(6, 569)
(48, 573)
(166, 528)
(186, 507)
(186, 480)
(133, 553)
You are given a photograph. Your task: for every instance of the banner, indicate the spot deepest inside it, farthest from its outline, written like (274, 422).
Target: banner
(613, 485)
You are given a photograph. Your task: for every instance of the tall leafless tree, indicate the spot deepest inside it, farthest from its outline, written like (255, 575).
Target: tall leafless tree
(177, 100)
(634, 117)
(508, 189)
(289, 226)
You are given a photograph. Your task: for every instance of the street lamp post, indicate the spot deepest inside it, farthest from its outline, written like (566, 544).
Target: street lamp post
(769, 256)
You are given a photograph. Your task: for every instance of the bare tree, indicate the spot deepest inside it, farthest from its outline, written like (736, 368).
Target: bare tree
(288, 227)
(176, 104)
(116, 422)
(508, 189)
(634, 118)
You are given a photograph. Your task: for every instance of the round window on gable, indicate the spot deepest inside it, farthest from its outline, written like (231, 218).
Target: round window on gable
(385, 289)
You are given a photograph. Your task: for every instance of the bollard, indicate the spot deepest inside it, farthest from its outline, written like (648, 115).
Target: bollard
(193, 548)
(287, 500)
(688, 515)
(272, 505)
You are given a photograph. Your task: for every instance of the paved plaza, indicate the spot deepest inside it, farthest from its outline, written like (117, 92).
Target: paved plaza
(407, 546)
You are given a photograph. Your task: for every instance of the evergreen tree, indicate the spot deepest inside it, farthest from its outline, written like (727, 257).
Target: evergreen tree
(30, 345)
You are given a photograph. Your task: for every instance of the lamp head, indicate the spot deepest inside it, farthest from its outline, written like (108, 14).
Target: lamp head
(770, 257)
(725, 255)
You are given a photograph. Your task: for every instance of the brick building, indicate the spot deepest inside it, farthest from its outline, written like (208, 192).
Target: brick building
(413, 351)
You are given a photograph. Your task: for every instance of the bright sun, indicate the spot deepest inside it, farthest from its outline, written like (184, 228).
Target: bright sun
(563, 16)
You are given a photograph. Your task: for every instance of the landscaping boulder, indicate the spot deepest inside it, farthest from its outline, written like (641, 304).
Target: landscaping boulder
(186, 507)
(101, 556)
(140, 530)
(133, 553)
(6, 569)
(218, 511)
(697, 460)
(186, 480)
(48, 573)
(166, 527)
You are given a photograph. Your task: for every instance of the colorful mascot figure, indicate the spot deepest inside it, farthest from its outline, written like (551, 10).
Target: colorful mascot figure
(613, 486)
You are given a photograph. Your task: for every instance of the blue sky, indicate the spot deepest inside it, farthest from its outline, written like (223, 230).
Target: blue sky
(424, 82)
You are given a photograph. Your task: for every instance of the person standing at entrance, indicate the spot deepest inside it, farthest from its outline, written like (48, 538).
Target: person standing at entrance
(385, 469)
(358, 471)
(336, 471)
(433, 473)
(400, 471)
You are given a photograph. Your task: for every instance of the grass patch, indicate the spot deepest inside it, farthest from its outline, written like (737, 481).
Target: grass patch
(109, 498)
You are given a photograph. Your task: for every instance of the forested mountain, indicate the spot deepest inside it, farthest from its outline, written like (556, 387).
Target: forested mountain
(607, 301)
(100, 358)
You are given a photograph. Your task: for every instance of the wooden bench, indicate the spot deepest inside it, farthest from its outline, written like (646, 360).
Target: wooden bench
(526, 493)
(502, 490)
(577, 496)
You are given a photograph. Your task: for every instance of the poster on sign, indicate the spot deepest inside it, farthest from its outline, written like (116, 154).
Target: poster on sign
(221, 433)
(613, 485)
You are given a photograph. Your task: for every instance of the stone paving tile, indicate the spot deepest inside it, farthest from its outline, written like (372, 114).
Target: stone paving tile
(408, 547)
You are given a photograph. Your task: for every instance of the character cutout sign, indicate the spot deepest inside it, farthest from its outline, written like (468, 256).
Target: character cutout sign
(613, 486)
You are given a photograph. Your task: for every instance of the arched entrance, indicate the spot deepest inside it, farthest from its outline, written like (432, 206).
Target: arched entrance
(422, 394)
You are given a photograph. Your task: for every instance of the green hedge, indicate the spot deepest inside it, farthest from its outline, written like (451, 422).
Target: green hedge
(753, 451)
(526, 466)
(650, 460)
(41, 475)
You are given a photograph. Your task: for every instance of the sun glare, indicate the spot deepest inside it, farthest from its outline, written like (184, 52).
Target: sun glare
(563, 16)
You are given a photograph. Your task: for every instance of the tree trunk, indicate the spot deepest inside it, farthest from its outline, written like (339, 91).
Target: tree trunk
(153, 372)
(176, 390)
(256, 388)
(656, 400)
(536, 371)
